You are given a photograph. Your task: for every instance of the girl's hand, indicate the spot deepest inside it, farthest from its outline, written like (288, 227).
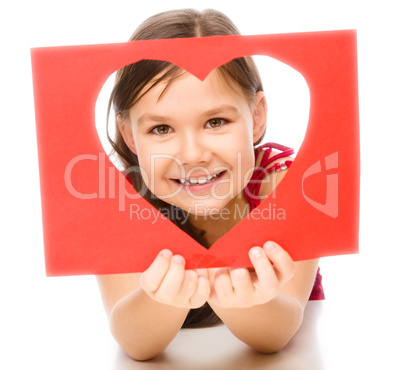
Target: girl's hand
(240, 287)
(166, 281)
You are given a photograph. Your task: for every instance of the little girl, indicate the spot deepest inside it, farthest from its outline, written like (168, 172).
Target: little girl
(195, 143)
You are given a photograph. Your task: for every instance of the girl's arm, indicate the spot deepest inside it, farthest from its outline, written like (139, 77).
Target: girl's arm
(146, 311)
(238, 299)
(267, 306)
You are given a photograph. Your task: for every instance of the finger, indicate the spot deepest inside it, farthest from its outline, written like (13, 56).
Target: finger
(152, 278)
(171, 284)
(265, 278)
(242, 284)
(201, 293)
(282, 262)
(189, 284)
(211, 275)
(202, 272)
(223, 288)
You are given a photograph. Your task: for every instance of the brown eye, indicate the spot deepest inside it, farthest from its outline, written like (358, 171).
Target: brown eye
(216, 122)
(161, 130)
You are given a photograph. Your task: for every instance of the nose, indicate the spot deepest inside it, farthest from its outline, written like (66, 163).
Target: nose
(194, 149)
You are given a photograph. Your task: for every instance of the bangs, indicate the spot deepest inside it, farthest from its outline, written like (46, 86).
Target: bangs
(236, 75)
(135, 80)
(231, 75)
(168, 76)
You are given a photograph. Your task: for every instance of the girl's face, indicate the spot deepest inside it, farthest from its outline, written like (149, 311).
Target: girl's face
(195, 141)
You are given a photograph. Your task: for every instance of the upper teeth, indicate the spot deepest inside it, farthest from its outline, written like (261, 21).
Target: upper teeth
(198, 180)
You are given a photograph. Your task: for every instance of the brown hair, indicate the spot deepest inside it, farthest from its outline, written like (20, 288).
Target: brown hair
(129, 88)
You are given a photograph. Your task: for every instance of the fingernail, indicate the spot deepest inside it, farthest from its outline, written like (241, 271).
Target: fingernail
(256, 252)
(269, 246)
(166, 253)
(178, 259)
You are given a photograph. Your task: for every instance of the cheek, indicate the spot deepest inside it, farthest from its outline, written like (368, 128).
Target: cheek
(156, 169)
(246, 160)
(248, 165)
(145, 164)
(241, 150)
(145, 171)
(242, 162)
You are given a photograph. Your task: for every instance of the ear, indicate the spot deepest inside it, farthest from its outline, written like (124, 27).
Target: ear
(259, 116)
(126, 132)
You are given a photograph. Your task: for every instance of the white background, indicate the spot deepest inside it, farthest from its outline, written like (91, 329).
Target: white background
(49, 321)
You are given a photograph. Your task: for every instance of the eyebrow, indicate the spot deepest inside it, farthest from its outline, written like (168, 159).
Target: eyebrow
(225, 108)
(151, 117)
(221, 109)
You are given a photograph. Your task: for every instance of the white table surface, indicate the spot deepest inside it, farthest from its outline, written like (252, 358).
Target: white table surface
(59, 323)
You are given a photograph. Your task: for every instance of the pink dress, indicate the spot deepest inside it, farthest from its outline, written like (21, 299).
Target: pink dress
(252, 190)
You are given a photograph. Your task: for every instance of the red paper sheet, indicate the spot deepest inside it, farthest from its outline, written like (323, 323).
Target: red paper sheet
(86, 202)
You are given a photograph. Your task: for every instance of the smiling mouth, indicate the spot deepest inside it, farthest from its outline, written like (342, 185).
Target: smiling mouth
(202, 180)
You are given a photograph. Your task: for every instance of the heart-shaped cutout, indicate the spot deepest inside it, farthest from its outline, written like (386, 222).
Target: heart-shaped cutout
(284, 88)
(90, 235)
